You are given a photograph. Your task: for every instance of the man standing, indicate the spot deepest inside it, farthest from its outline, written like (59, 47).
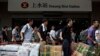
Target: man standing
(15, 34)
(52, 33)
(91, 33)
(43, 29)
(5, 34)
(67, 39)
(26, 32)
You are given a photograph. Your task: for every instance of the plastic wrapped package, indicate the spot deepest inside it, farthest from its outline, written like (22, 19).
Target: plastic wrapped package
(9, 50)
(73, 46)
(10, 47)
(4, 53)
(56, 50)
(49, 50)
(23, 51)
(84, 50)
(35, 50)
(45, 50)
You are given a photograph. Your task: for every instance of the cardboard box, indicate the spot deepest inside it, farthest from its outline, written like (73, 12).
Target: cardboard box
(45, 50)
(49, 50)
(84, 50)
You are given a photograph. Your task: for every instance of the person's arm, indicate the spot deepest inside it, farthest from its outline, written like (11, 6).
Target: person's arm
(22, 32)
(22, 35)
(54, 34)
(90, 38)
(61, 36)
(13, 38)
(39, 36)
(40, 32)
(13, 35)
(90, 35)
(51, 38)
(50, 34)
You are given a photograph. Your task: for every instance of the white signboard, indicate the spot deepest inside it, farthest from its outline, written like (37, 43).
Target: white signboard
(49, 5)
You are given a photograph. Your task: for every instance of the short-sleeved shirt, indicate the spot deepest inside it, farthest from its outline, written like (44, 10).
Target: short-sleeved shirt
(53, 33)
(91, 32)
(28, 32)
(43, 32)
(15, 33)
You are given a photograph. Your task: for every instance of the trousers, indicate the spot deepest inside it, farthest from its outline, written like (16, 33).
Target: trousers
(66, 48)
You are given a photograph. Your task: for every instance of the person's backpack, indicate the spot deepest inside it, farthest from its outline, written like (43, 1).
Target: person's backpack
(83, 35)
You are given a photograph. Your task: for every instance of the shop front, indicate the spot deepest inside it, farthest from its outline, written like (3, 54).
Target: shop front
(56, 11)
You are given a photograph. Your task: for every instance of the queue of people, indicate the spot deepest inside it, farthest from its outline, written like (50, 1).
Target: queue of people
(65, 35)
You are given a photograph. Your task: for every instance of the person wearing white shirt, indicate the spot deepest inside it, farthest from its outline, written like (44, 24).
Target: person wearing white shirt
(97, 35)
(27, 31)
(15, 34)
(53, 32)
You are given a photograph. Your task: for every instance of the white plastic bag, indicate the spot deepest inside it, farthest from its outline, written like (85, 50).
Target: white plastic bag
(4, 53)
(35, 50)
(10, 47)
(23, 51)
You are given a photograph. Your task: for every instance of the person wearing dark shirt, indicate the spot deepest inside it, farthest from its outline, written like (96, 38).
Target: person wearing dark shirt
(43, 29)
(5, 34)
(67, 39)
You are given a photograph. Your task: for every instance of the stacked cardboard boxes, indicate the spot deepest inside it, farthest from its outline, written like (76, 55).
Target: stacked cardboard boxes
(49, 50)
(84, 50)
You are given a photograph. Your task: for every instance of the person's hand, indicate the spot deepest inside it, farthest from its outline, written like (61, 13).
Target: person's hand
(13, 39)
(21, 38)
(61, 38)
(41, 40)
(94, 42)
